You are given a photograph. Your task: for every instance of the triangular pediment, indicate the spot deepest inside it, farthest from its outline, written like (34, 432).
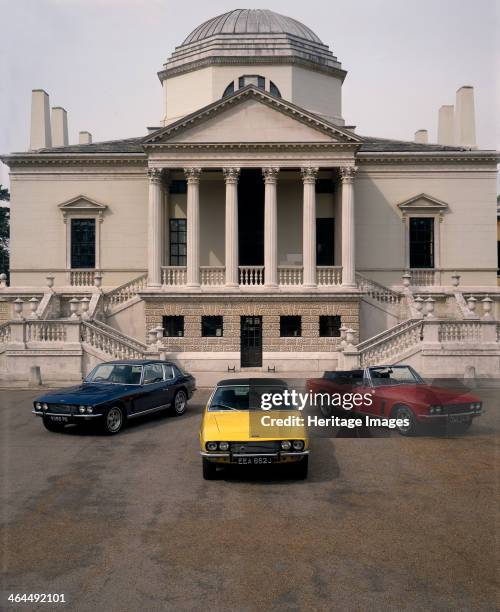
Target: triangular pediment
(251, 116)
(422, 203)
(82, 204)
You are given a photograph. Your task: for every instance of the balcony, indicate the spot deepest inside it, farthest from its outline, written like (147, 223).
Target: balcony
(251, 277)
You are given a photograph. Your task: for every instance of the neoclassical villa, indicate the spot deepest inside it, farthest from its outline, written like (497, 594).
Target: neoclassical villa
(252, 229)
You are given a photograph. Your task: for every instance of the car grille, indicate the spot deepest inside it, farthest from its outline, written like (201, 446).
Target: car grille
(456, 408)
(255, 447)
(62, 408)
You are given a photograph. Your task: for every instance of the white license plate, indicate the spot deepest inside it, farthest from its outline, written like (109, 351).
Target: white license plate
(459, 418)
(255, 460)
(59, 419)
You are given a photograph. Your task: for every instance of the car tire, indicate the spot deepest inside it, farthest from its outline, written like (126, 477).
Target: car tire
(302, 468)
(113, 421)
(404, 412)
(209, 469)
(51, 426)
(179, 403)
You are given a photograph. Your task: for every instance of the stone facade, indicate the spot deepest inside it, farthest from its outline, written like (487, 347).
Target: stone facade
(270, 310)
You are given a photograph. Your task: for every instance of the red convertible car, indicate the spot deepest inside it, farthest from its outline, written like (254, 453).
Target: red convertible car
(398, 392)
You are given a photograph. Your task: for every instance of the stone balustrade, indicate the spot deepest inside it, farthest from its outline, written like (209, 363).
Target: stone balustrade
(125, 292)
(251, 276)
(212, 276)
(111, 344)
(290, 275)
(329, 275)
(45, 331)
(460, 331)
(173, 276)
(82, 278)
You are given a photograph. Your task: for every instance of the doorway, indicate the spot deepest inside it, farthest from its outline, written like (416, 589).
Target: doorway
(251, 217)
(325, 242)
(251, 341)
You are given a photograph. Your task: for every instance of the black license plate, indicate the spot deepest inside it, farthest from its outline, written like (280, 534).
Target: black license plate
(255, 460)
(459, 418)
(59, 419)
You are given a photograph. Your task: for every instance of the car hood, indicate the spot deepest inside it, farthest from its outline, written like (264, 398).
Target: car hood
(432, 394)
(246, 425)
(87, 393)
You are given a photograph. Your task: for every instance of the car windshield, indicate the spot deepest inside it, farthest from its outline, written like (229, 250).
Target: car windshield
(116, 373)
(394, 375)
(245, 397)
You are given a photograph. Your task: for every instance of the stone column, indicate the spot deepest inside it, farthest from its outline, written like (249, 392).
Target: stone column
(165, 220)
(309, 176)
(154, 227)
(270, 227)
(348, 237)
(231, 176)
(193, 226)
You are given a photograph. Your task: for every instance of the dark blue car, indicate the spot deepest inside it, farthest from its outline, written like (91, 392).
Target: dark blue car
(116, 391)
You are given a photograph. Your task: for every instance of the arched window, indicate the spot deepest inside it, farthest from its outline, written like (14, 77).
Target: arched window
(251, 79)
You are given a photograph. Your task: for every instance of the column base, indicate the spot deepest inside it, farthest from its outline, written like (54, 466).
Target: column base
(231, 285)
(271, 285)
(309, 285)
(193, 285)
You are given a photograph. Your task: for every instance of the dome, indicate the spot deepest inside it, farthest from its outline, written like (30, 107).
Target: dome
(251, 21)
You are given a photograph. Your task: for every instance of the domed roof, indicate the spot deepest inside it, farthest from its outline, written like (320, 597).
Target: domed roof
(251, 21)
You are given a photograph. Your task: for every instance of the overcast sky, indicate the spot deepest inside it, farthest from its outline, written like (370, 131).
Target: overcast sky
(99, 59)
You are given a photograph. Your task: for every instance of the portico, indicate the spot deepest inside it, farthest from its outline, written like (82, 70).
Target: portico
(272, 274)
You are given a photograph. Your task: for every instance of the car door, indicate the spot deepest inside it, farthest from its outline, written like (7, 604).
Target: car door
(152, 388)
(170, 377)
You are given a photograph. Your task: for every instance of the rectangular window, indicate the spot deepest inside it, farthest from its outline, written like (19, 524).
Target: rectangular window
(421, 242)
(290, 326)
(329, 326)
(83, 243)
(178, 240)
(325, 241)
(173, 327)
(211, 327)
(178, 186)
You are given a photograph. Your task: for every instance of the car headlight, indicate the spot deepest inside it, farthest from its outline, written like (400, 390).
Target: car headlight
(435, 409)
(81, 409)
(212, 446)
(38, 406)
(477, 406)
(89, 409)
(45, 406)
(224, 446)
(286, 445)
(298, 445)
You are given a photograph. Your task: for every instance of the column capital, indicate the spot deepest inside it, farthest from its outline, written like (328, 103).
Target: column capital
(155, 175)
(309, 175)
(347, 173)
(270, 175)
(231, 175)
(193, 175)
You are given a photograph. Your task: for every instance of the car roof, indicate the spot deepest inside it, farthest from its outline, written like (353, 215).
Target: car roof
(253, 382)
(135, 362)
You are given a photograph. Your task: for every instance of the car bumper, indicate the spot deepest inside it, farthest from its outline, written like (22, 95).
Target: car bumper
(453, 416)
(71, 418)
(233, 458)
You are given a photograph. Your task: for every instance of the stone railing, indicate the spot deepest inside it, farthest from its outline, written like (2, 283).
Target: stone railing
(390, 343)
(82, 278)
(125, 292)
(329, 275)
(45, 331)
(290, 275)
(251, 276)
(378, 292)
(111, 343)
(460, 331)
(425, 277)
(212, 276)
(173, 276)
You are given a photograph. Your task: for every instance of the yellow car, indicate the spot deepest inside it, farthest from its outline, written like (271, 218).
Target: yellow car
(246, 423)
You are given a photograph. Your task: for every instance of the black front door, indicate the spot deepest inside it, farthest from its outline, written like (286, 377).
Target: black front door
(325, 236)
(251, 342)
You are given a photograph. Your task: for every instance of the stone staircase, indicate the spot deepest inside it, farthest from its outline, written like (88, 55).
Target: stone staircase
(109, 343)
(124, 295)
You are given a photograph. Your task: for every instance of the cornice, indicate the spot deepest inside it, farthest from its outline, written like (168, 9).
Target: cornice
(296, 146)
(429, 157)
(71, 159)
(250, 61)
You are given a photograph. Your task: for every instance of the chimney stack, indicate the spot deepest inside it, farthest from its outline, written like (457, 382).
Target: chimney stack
(85, 138)
(465, 121)
(40, 135)
(59, 122)
(422, 136)
(446, 125)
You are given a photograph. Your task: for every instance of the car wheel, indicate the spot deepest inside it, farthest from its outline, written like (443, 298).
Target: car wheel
(113, 421)
(301, 468)
(180, 402)
(51, 426)
(209, 469)
(403, 412)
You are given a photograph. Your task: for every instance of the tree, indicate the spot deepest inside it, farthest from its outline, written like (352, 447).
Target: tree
(4, 230)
